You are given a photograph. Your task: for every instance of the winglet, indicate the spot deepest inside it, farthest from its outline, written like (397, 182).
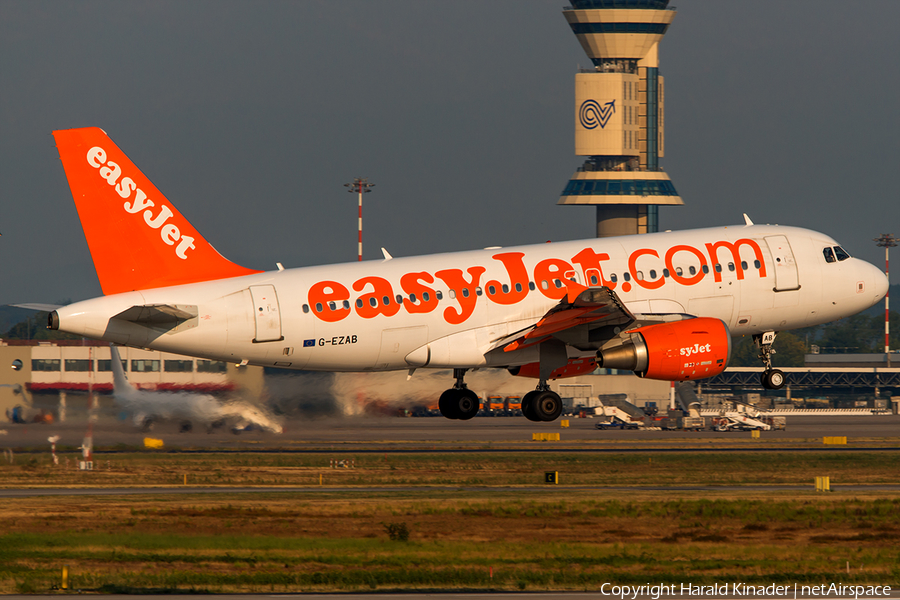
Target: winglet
(137, 238)
(747, 220)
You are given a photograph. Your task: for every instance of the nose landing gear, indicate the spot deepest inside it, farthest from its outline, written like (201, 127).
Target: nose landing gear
(459, 402)
(771, 379)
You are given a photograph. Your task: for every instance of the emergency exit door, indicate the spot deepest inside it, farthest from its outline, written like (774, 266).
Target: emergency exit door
(266, 314)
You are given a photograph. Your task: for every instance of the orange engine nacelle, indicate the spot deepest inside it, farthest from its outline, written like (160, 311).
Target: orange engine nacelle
(678, 351)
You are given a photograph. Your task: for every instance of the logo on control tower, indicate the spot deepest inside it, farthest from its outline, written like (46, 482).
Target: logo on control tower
(592, 113)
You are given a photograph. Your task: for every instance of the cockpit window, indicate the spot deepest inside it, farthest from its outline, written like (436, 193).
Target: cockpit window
(839, 252)
(829, 255)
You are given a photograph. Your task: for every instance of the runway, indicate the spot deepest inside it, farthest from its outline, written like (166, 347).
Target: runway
(379, 433)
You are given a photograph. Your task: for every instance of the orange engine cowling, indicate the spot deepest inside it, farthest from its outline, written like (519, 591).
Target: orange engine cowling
(677, 351)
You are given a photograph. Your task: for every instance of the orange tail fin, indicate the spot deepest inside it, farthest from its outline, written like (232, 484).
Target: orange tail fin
(137, 239)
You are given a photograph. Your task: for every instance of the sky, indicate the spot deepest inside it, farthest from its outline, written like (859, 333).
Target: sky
(250, 117)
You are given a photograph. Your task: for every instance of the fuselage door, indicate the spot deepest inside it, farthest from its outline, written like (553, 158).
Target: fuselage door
(265, 311)
(785, 267)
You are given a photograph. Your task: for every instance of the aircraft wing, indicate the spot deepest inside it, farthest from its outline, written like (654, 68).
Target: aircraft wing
(584, 318)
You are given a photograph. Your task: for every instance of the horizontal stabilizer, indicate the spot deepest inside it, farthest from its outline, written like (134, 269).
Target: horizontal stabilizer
(157, 314)
(38, 306)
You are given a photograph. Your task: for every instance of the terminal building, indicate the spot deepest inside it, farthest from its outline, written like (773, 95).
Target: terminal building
(620, 114)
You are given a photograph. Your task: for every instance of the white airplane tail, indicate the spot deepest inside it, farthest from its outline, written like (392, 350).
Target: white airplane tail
(122, 388)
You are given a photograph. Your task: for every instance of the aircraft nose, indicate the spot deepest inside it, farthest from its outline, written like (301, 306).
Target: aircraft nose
(881, 283)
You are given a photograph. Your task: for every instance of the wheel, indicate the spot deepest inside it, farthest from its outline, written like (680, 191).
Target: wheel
(467, 405)
(776, 379)
(547, 406)
(449, 403)
(773, 379)
(528, 406)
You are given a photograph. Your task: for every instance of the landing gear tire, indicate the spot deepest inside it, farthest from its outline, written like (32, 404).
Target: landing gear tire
(447, 403)
(528, 406)
(772, 379)
(547, 406)
(459, 404)
(467, 405)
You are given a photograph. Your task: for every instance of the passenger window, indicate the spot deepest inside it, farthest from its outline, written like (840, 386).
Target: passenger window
(679, 271)
(399, 299)
(545, 285)
(594, 280)
(639, 275)
(332, 306)
(346, 304)
(692, 270)
(718, 268)
(613, 278)
(439, 295)
(744, 265)
(557, 283)
(478, 291)
(453, 294)
(465, 292)
(373, 302)
(626, 276)
(318, 307)
(652, 274)
(359, 303)
(412, 298)
(839, 252)
(731, 267)
(518, 287)
(426, 296)
(531, 285)
(306, 308)
(829, 255)
(705, 269)
(505, 288)
(492, 290)
(757, 264)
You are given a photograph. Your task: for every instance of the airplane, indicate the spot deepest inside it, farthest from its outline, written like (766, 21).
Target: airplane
(663, 305)
(147, 407)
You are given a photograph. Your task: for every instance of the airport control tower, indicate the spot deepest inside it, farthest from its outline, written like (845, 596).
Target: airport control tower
(619, 114)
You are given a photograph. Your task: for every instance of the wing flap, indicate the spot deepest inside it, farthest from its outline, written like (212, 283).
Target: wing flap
(582, 306)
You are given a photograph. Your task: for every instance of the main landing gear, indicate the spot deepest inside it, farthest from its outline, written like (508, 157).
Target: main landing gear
(542, 404)
(459, 402)
(771, 379)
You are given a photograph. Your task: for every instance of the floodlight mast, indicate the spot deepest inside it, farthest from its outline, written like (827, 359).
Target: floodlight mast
(361, 186)
(887, 241)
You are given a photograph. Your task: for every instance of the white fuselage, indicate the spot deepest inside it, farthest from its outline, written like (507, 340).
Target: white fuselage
(755, 278)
